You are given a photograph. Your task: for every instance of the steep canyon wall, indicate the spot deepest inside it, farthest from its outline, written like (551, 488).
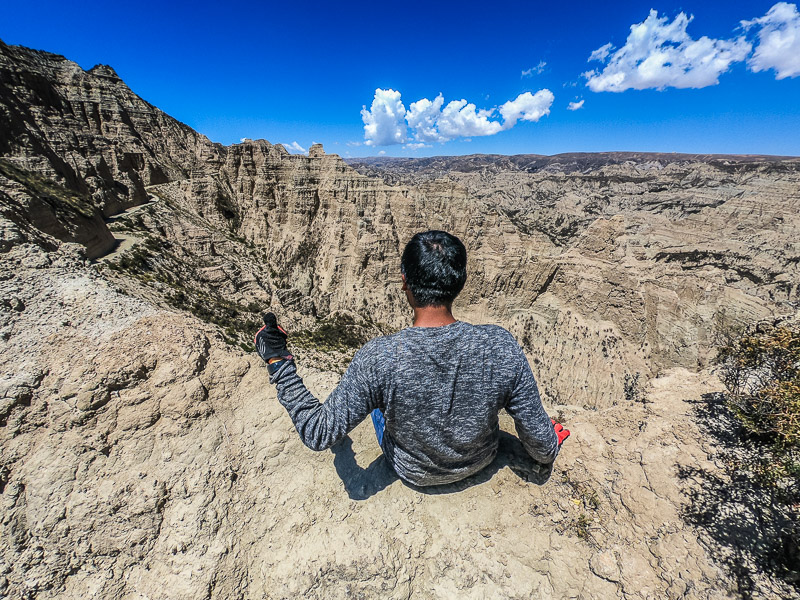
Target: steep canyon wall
(143, 453)
(604, 265)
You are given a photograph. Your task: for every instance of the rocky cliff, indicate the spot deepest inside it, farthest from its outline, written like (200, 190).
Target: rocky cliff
(88, 131)
(144, 455)
(605, 265)
(658, 250)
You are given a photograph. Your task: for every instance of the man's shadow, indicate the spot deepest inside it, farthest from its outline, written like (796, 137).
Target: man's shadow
(362, 483)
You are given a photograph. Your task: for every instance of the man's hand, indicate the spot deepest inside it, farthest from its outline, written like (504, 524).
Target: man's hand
(270, 341)
(561, 433)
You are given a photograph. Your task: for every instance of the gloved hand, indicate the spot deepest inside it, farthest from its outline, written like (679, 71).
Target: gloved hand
(270, 342)
(561, 433)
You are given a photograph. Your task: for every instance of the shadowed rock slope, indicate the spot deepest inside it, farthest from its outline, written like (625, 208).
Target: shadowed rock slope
(143, 453)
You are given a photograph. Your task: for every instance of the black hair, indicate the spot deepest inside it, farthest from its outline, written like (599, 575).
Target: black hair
(435, 266)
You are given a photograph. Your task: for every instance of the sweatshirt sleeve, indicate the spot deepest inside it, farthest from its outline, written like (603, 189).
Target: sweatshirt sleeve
(322, 425)
(534, 428)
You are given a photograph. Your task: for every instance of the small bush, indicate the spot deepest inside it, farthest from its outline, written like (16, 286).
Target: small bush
(135, 261)
(633, 389)
(339, 332)
(761, 372)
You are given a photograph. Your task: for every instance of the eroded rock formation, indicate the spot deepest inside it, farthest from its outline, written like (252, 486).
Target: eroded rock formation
(143, 453)
(143, 457)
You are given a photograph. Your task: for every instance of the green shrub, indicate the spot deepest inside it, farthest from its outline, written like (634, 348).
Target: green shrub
(761, 372)
(338, 332)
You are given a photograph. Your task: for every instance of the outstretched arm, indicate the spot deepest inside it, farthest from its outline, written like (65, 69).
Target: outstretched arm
(321, 425)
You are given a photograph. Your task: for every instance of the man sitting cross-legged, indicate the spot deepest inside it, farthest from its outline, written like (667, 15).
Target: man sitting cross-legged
(434, 390)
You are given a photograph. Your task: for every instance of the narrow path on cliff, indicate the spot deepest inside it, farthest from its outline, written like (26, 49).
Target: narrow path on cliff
(125, 241)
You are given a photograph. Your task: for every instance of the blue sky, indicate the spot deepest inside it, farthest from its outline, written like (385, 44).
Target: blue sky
(302, 72)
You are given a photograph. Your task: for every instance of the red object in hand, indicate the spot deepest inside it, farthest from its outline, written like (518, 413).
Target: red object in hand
(561, 433)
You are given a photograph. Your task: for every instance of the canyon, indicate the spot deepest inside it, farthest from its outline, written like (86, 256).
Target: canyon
(144, 454)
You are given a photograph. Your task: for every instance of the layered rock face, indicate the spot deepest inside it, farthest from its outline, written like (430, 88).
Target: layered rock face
(143, 453)
(90, 137)
(606, 266)
(88, 131)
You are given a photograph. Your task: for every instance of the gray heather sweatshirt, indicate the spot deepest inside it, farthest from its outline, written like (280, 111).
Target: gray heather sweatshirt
(440, 389)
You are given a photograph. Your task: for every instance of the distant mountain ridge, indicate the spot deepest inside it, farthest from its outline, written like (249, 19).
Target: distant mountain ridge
(566, 162)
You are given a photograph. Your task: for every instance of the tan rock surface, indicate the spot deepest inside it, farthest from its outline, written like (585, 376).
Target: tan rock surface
(149, 460)
(143, 454)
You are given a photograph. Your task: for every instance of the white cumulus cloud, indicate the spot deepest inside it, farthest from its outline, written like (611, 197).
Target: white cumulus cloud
(422, 116)
(527, 106)
(463, 119)
(295, 148)
(778, 41)
(384, 122)
(388, 122)
(660, 54)
(575, 105)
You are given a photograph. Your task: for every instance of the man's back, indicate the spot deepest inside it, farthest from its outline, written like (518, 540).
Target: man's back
(440, 389)
(434, 389)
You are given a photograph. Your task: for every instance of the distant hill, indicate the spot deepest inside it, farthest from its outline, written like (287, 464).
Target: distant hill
(572, 162)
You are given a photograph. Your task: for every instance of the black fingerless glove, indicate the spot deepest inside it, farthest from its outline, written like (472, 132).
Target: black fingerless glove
(270, 343)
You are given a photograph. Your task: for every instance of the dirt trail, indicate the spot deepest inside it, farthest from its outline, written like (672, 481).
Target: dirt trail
(126, 241)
